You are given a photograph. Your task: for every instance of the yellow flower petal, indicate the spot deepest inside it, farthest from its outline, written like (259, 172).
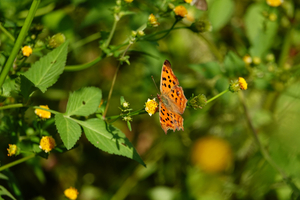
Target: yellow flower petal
(47, 143)
(71, 193)
(43, 113)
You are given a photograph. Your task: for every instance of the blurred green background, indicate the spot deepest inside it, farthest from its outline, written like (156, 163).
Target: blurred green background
(216, 156)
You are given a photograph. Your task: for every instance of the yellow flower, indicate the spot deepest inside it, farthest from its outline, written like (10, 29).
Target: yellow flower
(274, 3)
(43, 113)
(71, 193)
(128, 1)
(243, 83)
(27, 51)
(256, 60)
(247, 59)
(151, 106)
(180, 11)
(153, 21)
(212, 154)
(188, 1)
(47, 143)
(12, 150)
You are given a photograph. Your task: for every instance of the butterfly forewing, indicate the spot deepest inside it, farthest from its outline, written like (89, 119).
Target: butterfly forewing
(172, 101)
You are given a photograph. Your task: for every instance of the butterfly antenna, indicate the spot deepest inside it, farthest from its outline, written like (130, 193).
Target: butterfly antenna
(155, 84)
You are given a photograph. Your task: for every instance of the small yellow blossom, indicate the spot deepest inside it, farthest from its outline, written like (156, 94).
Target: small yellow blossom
(141, 33)
(243, 83)
(47, 143)
(152, 20)
(188, 1)
(71, 193)
(274, 3)
(43, 113)
(12, 150)
(27, 51)
(247, 59)
(180, 11)
(151, 106)
(128, 1)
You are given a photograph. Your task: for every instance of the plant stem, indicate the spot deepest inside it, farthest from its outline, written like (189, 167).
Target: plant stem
(17, 105)
(285, 49)
(168, 31)
(83, 66)
(112, 30)
(263, 151)
(52, 111)
(86, 40)
(16, 162)
(7, 33)
(19, 41)
(218, 95)
(113, 82)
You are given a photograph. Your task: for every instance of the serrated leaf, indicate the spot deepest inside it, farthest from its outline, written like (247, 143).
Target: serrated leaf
(84, 102)
(68, 129)
(110, 139)
(26, 86)
(45, 72)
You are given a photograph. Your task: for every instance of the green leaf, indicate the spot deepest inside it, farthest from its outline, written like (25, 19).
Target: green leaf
(5, 192)
(262, 33)
(45, 72)
(220, 13)
(26, 86)
(110, 139)
(84, 102)
(68, 129)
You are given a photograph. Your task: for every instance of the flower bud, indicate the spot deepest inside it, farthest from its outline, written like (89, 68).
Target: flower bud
(56, 40)
(198, 101)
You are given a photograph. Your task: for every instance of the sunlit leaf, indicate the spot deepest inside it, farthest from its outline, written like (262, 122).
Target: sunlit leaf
(84, 102)
(68, 129)
(45, 72)
(110, 139)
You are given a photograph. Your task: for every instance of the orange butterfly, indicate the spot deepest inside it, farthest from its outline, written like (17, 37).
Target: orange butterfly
(172, 101)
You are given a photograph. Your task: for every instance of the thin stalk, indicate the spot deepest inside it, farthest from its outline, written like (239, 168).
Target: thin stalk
(168, 31)
(17, 105)
(113, 82)
(112, 31)
(52, 111)
(16, 162)
(213, 48)
(263, 151)
(86, 40)
(285, 49)
(20, 39)
(218, 95)
(10, 36)
(83, 66)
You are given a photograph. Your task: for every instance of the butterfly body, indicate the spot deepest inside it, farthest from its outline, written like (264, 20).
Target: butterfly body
(172, 101)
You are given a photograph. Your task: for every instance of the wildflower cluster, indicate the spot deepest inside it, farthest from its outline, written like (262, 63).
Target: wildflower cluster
(43, 114)
(47, 143)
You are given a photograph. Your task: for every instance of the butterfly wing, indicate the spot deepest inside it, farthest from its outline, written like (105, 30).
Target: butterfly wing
(170, 90)
(168, 79)
(169, 119)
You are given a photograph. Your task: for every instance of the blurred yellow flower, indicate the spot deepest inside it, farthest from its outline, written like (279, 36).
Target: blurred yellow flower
(188, 1)
(47, 143)
(243, 83)
(43, 113)
(12, 150)
(212, 154)
(27, 51)
(128, 1)
(71, 193)
(247, 59)
(152, 20)
(151, 106)
(274, 3)
(180, 11)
